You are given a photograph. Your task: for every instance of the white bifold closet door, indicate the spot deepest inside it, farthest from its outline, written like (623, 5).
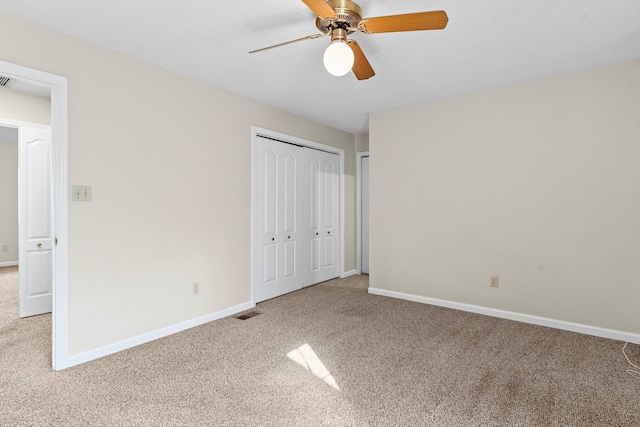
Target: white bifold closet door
(321, 216)
(279, 218)
(297, 222)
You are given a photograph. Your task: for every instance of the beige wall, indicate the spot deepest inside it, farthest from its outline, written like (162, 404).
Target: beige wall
(362, 142)
(538, 183)
(9, 201)
(169, 162)
(26, 108)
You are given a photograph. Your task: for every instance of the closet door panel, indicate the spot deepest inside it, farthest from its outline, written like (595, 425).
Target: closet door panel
(321, 220)
(279, 198)
(331, 217)
(290, 260)
(270, 263)
(329, 174)
(315, 254)
(270, 192)
(291, 200)
(292, 217)
(270, 215)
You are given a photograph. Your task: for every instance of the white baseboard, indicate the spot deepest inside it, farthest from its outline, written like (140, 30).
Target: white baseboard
(510, 315)
(349, 273)
(8, 263)
(154, 335)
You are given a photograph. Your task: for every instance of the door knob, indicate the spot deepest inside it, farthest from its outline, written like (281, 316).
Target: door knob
(273, 238)
(288, 237)
(316, 233)
(39, 245)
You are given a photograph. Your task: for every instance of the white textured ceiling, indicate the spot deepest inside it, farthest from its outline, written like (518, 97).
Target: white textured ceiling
(486, 44)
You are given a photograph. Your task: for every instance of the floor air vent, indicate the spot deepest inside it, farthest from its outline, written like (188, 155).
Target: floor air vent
(6, 81)
(248, 315)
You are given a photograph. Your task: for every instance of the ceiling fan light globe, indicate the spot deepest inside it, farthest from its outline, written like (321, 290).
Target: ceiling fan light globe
(338, 58)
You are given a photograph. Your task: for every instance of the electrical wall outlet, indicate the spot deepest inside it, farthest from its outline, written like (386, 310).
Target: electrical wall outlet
(196, 288)
(81, 193)
(493, 281)
(5, 248)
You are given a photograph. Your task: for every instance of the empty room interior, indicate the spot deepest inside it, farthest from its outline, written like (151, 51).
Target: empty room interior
(191, 233)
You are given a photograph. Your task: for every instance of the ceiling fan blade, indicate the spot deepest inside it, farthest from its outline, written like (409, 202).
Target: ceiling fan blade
(314, 36)
(361, 67)
(320, 8)
(435, 20)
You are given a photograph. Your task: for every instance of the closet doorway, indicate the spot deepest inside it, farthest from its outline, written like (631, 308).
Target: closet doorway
(297, 214)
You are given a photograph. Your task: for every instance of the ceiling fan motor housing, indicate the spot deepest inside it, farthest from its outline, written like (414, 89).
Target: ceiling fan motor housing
(348, 15)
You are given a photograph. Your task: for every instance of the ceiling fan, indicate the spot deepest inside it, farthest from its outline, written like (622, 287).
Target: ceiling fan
(339, 18)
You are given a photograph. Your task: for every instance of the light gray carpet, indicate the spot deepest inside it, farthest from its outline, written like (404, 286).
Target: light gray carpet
(396, 363)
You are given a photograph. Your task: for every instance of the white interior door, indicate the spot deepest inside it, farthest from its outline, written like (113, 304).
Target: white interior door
(35, 227)
(321, 216)
(278, 219)
(364, 221)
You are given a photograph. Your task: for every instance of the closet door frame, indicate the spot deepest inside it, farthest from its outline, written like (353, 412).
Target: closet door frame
(255, 133)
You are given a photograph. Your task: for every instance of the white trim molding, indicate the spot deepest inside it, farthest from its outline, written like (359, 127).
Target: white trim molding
(154, 335)
(518, 317)
(58, 86)
(348, 274)
(8, 263)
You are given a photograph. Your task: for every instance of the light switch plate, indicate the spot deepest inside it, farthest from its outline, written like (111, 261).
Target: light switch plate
(81, 193)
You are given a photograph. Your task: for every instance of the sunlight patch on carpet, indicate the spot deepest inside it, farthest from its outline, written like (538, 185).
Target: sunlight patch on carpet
(308, 359)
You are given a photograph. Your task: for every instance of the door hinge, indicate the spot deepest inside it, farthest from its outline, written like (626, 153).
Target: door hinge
(55, 239)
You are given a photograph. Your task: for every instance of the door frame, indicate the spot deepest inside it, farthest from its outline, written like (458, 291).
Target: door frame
(359, 157)
(255, 133)
(59, 141)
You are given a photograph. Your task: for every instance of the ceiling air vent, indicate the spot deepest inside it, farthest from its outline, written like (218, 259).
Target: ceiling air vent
(6, 81)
